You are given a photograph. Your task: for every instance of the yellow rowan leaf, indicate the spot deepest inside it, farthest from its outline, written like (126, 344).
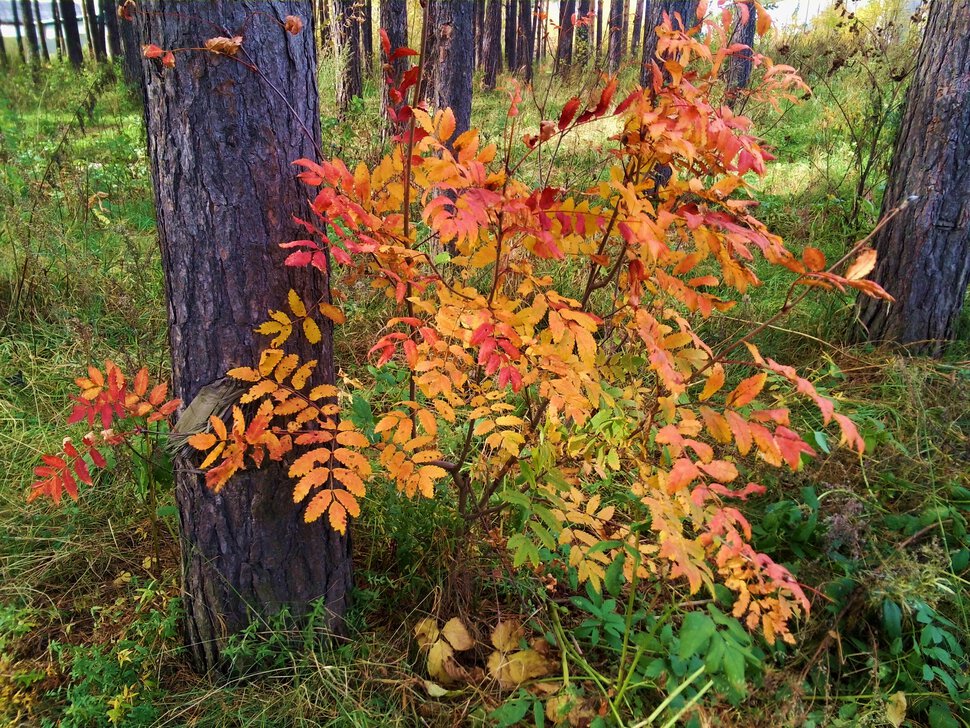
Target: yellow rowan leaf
(333, 313)
(350, 480)
(318, 506)
(862, 266)
(244, 374)
(213, 454)
(714, 382)
(311, 331)
(302, 374)
(296, 304)
(348, 501)
(483, 427)
(322, 391)
(268, 360)
(218, 426)
(353, 459)
(202, 440)
(338, 514)
(427, 422)
(286, 367)
(308, 460)
(267, 386)
(352, 438)
(315, 478)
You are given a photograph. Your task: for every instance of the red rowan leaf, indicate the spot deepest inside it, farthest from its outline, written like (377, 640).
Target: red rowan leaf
(568, 112)
(151, 51)
(293, 24)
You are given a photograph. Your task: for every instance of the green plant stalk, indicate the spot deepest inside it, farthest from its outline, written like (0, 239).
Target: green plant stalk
(670, 698)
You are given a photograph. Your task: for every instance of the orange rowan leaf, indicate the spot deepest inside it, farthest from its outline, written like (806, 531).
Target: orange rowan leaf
(202, 440)
(714, 383)
(322, 391)
(747, 390)
(293, 24)
(338, 514)
(244, 374)
(350, 480)
(814, 259)
(301, 375)
(333, 313)
(316, 478)
(862, 265)
(214, 453)
(264, 387)
(348, 501)
(318, 505)
(224, 46)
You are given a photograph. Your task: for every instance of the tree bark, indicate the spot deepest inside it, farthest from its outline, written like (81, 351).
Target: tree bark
(30, 30)
(479, 31)
(924, 252)
(525, 39)
(72, 36)
(615, 52)
(109, 12)
(564, 48)
(686, 10)
(345, 37)
(599, 30)
(131, 66)
(220, 143)
(511, 31)
(17, 31)
(492, 43)
(637, 27)
(738, 66)
(95, 37)
(454, 60)
(394, 20)
(41, 34)
(367, 35)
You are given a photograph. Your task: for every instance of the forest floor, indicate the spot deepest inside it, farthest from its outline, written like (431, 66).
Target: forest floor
(89, 601)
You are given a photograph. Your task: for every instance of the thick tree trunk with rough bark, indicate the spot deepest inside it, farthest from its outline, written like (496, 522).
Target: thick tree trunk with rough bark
(30, 31)
(564, 48)
(72, 36)
(492, 43)
(454, 60)
(924, 252)
(221, 143)
(394, 20)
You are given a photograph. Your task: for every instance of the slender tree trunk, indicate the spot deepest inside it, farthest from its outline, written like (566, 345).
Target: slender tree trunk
(479, 28)
(109, 12)
(615, 53)
(4, 58)
(624, 27)
(454, 60)
(72, 36)
(738, 66)
(131, 66)
(221, 145)
(17, 31)
(58, 30)
(41, 33)
(599, 30)
(511, 30)
(525, 40)
(394, 20)
(564, 49)
(367, 29)
(345, 37)
(924, 252)
(30, 30)
(541, 12)
(637, 27)
(493, 42)
(95, 36)
(583, 37)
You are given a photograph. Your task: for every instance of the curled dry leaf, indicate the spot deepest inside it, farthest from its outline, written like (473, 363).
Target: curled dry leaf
(457, 635)
(426, 632)
(224, 46)
(506, 635)
(293, 24)
(862, 266)
(513, 669)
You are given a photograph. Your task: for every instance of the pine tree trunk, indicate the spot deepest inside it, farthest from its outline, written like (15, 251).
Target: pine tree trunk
(58, 30)
(110, 14)
(17, 31)
(95, 36)
(131, 66)
(924, 252)
(41, 33)
(624, 27)
(479, 29)
(511, 30)
(492, 44)
(525, 40)
(30, 30)
(564, 48)
(220, 145)
(367, 35)
(637, 27)
(394, 20)
(4, 58)
(615, 52)
(345, 37)
(599, 30)
(738, 66)
(540, 30)
(454, 60)
(72, 36)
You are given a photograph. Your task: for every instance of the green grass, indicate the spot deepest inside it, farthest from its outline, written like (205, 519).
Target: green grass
(88, 622)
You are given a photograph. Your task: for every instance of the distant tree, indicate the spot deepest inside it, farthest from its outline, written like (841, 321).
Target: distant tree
(525, 40)
(95, 36)
(394, 21)
(599, 30)
(615, 53)
(492, 44)
(511, 32)
(4, 58)
(624, 26)
(637, 26)
(18, 32)
(564, 48)
(109, 12)
(738, 67)
(584, 43)
(30, 31)
(367, 35)
(924, 252)
(58, 30)
(41, 34)
(131, 65)
(345, 37)
(72, 36)
(454, 59)
(539, 42)
(478, 26)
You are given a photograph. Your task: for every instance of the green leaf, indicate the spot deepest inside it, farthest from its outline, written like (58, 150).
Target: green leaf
(734, 668)
(696, 630)
(613, 579)
(512, 711)
(167, 512)
(892, 618)
(545, 538)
